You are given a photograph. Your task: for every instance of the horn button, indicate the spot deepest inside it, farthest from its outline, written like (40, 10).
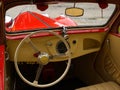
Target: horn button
(43, 58)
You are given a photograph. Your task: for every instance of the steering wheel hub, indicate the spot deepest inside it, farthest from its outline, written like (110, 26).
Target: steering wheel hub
(43, 58)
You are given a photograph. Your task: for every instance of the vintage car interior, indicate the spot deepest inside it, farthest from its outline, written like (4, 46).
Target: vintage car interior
(59, 45)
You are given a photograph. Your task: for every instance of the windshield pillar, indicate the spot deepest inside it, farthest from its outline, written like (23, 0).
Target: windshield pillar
(2, 20)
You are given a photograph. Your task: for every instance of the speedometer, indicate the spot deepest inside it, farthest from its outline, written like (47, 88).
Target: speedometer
(61, 48)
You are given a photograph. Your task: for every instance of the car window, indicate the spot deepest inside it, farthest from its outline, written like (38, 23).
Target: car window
(29, 17)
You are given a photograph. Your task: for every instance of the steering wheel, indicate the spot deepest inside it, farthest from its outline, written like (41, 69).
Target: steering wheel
(43, 59)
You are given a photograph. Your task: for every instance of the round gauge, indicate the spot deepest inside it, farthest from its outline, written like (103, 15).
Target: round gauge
(61, 48)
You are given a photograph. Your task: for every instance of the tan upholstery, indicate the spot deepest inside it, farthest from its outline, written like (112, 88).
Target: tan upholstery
(102, 86)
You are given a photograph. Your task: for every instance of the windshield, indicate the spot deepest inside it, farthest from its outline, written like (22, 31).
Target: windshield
(29, 17)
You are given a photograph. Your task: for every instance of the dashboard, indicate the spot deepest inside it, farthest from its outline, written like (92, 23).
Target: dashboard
(80, 44)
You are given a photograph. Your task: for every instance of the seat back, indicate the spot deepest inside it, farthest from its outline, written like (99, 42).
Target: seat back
(102, 86)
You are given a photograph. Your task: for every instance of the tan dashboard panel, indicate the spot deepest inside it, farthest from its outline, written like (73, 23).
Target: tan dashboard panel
(80, 44)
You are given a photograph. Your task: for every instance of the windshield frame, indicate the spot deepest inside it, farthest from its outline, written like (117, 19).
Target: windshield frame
(60, 28)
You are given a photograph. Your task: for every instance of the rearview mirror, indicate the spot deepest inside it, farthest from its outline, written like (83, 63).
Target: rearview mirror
(74, 12)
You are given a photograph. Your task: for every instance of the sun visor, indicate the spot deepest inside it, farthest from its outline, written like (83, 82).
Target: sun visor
(42, 7)
(102, 4)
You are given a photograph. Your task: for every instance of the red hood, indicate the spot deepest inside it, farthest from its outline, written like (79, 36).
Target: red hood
(31, 20)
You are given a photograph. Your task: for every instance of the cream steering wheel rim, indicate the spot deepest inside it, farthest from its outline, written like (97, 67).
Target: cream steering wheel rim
(49, 84)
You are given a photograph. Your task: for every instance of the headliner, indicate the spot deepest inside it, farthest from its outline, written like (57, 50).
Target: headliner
(54, 1)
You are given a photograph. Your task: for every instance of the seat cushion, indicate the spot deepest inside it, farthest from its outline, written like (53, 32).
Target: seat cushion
(102, 86)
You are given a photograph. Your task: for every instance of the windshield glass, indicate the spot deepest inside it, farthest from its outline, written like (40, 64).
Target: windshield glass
(29, 17)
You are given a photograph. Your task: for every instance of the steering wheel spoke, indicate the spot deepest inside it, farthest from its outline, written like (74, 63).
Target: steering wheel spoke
(39, 70)
(65, 55)
(29, 41)
(59, 56)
